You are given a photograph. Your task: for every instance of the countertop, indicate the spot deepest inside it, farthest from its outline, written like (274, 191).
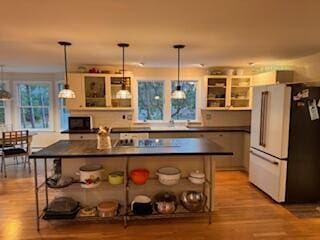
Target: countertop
(150, 130)
(88, 148)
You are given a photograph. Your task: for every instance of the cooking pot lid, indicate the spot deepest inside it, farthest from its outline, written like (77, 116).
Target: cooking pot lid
(197, 174)
(168, 170)
(90, 167)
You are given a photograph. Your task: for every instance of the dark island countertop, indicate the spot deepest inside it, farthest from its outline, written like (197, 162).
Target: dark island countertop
(150, 130)
(172, 146)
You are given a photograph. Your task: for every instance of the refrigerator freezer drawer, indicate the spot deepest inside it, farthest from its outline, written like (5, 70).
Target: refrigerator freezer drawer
(269, 174)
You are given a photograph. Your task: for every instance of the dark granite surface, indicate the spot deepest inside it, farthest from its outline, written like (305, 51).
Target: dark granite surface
(173, 146)
(147, 129)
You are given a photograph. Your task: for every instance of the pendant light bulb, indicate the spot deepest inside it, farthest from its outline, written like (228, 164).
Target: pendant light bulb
(178, 93)
(66, 92)
(123, 93)
(4, 95)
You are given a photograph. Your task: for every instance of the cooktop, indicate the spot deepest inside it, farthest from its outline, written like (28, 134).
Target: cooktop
(145, 143)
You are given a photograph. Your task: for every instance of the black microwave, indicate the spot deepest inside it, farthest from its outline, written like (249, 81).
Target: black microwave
(80, 123)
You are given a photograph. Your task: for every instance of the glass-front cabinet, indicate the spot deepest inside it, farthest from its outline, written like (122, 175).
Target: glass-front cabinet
(116, 85)
(98, 91)
(228, 92)
(240, 92)
(216, 95)
(95, 91)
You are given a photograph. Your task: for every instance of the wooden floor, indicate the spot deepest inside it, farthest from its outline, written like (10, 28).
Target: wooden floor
(241, 212)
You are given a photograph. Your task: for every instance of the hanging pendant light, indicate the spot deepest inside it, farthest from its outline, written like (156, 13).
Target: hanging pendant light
(4, 95)
(66, 92)
(178, 93)
(123, 93)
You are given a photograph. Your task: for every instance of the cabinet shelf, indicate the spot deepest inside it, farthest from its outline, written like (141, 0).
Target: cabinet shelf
(240, 99)
(216, 99)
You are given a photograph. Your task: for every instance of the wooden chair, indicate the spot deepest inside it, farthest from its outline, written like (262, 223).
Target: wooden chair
(15, 144)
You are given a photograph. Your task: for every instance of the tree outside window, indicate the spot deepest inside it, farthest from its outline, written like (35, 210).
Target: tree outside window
(184, 109)
(34, 105)
(150, 100)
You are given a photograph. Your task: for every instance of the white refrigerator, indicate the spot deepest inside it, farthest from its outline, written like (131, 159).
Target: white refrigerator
(269, 139)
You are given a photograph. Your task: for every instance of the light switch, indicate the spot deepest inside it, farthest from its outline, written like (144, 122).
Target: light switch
(129, 117)
(208, 116)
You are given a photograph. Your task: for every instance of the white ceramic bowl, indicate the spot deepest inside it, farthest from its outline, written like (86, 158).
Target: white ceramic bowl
(169, 175)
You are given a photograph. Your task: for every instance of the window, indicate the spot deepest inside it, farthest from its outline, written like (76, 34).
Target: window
(184, 109)
(34, 105)
(3, 107)
(150, 100)
(62, 110)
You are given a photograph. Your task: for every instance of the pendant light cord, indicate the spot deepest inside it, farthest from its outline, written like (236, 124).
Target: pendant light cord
(123, 80)
(178, 66)
(65, 64)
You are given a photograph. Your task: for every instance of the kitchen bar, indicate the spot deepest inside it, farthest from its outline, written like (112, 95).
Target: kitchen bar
(185, 153)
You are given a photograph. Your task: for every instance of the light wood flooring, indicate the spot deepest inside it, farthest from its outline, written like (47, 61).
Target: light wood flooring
(241, 212)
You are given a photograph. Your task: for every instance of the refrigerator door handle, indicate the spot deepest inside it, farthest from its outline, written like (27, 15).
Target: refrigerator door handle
(266, 98)
(264, 158)
(263, 113)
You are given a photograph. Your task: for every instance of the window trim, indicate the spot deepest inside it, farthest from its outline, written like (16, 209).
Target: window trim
(50, 108)
(7, 105)
(167, 98)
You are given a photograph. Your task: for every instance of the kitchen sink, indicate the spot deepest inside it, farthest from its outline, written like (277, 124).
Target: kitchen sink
(169, 128)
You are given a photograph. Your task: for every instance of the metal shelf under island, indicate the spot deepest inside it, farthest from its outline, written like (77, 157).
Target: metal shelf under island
(187, 154)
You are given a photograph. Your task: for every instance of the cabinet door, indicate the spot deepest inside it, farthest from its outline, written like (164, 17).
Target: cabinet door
(115, 86)
(95, 90)
(224, 140)
(216, 92)
(240, 93)
(237, 139)
(75, 82)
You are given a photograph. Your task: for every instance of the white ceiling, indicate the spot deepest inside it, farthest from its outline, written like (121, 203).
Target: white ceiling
(216, 32)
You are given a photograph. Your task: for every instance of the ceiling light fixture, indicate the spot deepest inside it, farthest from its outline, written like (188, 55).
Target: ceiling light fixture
(66, 92)
(178, 93)
(4, 95)
(141, 64)
(123, 93)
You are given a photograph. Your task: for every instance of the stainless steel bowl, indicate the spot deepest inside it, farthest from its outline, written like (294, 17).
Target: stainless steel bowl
(193, 201)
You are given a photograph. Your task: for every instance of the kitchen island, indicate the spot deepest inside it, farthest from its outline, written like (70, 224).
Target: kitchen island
(187, 154)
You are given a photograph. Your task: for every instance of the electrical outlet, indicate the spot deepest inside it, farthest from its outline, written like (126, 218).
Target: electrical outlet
(208, 116)
(129, 117)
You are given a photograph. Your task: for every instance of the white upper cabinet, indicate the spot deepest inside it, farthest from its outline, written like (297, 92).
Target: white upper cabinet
(98, 91)
(228, 92)
(268, 78)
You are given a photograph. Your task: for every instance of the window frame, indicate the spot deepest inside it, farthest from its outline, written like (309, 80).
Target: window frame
(51, 121)
(137, 100)
(167, 98)
(7, 104)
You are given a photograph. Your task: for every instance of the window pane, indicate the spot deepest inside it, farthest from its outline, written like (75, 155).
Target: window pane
(34, 117)
(34, 105)
(150, 100)
(34, 94)
(63, 111)
(184, 109)
(2, 115)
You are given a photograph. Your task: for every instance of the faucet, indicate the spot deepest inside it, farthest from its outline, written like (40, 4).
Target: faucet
(171, 123)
